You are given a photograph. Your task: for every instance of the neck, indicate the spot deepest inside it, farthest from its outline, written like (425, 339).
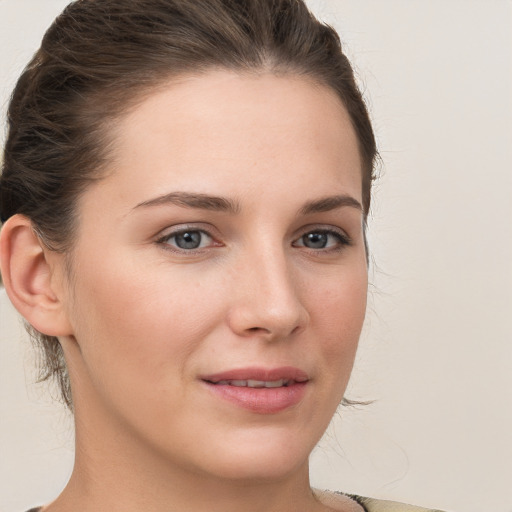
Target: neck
(121, 484)
(116, 471)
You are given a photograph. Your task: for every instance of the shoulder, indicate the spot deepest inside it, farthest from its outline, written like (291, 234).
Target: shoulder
(374, 505)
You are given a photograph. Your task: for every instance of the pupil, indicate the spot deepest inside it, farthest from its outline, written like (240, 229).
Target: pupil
(315, 240)
(188, 240)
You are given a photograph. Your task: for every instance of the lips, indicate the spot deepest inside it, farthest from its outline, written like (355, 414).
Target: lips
(259, 390)
(285, 373)
(250, 383)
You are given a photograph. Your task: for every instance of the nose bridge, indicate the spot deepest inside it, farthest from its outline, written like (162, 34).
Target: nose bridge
(270, 302)
(275, 278)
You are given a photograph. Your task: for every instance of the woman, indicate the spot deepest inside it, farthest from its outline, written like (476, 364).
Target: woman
(184, 196)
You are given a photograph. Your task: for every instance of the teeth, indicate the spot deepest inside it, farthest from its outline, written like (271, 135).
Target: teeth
(274, 383)
(255, 383)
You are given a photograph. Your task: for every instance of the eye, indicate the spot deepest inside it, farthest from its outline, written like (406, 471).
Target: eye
(187, 239)
(322, 239)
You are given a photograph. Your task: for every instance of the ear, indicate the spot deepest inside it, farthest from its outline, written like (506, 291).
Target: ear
(32, 276)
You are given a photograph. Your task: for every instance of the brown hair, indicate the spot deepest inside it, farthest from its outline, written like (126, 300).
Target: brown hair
(99, 57)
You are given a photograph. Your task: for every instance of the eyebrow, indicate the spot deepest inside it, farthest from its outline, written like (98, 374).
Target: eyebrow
(223, 204)
(326, 204)
(189, 200)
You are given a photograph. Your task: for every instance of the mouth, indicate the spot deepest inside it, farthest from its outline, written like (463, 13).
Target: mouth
(250, 383)
(258, 390)
(256, 377)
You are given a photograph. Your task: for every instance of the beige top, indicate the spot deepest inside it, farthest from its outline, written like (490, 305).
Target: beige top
(352, 503)
(373, 505)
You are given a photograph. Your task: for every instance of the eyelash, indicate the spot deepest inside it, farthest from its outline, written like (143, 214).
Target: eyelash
(342, 240)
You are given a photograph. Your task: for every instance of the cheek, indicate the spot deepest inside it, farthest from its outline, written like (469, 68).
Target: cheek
(138, 346)
(339, 302)
(133, 325)
(337, 317)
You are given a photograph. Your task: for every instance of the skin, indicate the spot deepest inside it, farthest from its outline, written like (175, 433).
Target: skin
(141, 319)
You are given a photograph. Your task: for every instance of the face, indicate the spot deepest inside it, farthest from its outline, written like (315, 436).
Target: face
(219, 275)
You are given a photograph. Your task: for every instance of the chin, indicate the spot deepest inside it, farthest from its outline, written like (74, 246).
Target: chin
(262, 469)
(267, 456)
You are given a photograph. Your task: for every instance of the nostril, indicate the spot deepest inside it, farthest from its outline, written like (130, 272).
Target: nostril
(258, 330)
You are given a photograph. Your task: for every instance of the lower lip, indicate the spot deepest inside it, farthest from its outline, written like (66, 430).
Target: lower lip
(261, 400)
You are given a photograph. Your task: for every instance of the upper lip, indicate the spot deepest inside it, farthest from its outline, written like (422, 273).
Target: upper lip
(260, 374)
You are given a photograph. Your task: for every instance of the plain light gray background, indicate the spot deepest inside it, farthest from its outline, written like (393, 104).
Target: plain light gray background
(436, 353)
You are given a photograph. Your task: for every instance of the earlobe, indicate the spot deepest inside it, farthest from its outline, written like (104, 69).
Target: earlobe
(30, 279)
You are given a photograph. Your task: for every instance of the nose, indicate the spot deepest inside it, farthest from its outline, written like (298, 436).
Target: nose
(266, 298)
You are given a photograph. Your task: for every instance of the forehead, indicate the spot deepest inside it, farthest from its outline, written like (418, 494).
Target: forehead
(220, 132)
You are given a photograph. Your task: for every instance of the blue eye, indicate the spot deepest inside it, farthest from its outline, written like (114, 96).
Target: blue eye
(322, 239)
(188, 239)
